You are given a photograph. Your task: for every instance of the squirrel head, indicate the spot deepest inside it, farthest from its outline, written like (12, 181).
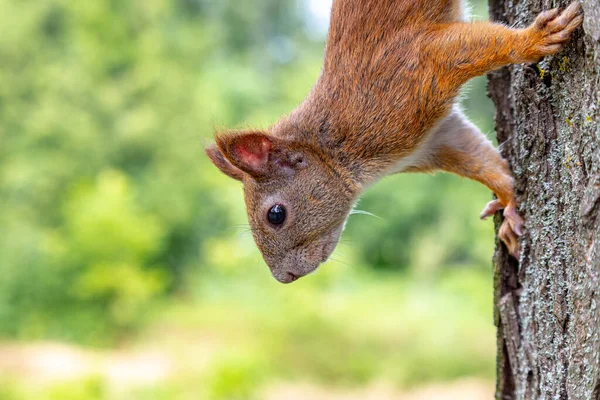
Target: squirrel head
(297, 203)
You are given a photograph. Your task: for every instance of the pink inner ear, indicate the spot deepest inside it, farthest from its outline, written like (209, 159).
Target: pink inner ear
(253, 150)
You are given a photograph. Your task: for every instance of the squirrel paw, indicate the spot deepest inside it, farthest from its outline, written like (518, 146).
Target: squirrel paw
(552, 29)
(491, 209)
(512, 226)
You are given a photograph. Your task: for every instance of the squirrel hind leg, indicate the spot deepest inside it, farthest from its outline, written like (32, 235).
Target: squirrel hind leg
(457, 146)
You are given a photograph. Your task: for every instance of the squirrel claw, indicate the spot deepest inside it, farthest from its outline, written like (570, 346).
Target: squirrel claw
(511, 229)
(491, 208)
(513, 218)
(512, 226)
(552, 29)
(510, 238)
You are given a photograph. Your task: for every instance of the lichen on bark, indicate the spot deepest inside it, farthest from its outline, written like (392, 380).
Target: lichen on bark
(548, 124)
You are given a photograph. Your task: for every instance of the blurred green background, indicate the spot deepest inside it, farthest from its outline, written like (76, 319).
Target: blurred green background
(126, 266)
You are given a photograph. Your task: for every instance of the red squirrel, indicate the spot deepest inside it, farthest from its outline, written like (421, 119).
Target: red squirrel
(385, 102)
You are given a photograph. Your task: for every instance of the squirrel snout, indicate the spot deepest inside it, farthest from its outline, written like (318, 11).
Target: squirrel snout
(289, 275)
(286, 278)
(295, 263)
(290, 269)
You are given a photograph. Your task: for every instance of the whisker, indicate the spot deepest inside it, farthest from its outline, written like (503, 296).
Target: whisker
(341, 262)
(246, 228)
(334, 257)
(362, 212)
(242, 226)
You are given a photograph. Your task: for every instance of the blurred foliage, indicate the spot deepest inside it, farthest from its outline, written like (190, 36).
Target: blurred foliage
(348, 332)
(105, 193)
(109, 207)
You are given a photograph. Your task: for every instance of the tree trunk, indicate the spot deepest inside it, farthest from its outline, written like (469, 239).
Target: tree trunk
(548, 304)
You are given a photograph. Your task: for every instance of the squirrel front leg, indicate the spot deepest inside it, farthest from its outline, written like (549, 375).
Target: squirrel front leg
(469, 50)
(472, 49)
(458, 146)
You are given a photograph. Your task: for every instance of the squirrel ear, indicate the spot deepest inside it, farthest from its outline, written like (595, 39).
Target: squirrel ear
(248, 151)
(215, 155)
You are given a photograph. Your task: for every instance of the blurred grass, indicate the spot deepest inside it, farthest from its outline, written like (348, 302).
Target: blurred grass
(239, 337)
(119, 234)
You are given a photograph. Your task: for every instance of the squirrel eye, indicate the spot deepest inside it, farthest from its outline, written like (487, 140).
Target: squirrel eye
(276, 215)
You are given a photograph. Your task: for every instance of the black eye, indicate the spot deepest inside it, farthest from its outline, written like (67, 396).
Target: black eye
(276, 214)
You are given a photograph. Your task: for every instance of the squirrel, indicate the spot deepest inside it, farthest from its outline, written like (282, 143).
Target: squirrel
(385, 102)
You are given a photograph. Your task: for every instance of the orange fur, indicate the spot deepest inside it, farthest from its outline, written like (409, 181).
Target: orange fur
(384, 103)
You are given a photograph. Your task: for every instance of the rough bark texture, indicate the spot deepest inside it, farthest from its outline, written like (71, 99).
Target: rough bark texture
(547, 304)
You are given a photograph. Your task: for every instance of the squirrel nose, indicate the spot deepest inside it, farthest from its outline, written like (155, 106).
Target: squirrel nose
(286, 277)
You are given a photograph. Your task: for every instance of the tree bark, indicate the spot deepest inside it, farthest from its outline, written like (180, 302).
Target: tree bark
(548, 304)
